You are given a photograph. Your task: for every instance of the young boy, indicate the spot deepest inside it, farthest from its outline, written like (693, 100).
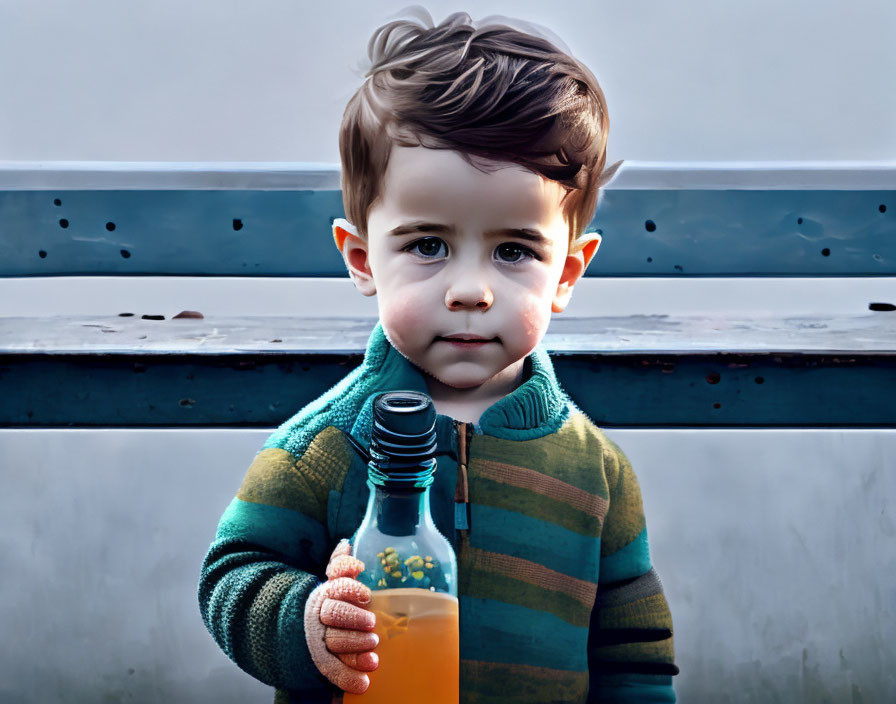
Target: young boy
(472, 160)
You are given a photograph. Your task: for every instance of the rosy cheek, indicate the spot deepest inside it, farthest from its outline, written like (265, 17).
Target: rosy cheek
(534, 330)
(535, 318)
(405, 318)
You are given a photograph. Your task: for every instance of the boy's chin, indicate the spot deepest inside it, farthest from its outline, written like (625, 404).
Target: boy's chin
(458, 382)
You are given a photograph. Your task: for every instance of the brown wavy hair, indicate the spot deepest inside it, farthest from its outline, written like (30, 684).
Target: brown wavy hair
(491, 91)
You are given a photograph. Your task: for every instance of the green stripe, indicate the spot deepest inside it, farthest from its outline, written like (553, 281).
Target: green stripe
(650, 612)
(559, 456)
(303, 484)
(296, 536)
(513, 498)
(499, 683)
(625, 519)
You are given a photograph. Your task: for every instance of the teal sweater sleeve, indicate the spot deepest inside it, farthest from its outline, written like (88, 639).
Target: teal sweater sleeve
(252, 602)
(631, 656)
(269, 553)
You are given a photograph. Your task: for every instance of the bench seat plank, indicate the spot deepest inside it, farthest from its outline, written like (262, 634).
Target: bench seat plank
(874, 333)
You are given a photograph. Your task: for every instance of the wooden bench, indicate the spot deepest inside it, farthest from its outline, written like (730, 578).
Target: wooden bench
(792, 364)
(736, 334)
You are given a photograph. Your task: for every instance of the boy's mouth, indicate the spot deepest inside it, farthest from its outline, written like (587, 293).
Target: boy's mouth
(467, 339)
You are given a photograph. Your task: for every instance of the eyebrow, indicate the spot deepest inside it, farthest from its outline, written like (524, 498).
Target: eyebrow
(523, 233)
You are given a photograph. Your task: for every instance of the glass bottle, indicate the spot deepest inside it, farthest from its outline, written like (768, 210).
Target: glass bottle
(409, 565)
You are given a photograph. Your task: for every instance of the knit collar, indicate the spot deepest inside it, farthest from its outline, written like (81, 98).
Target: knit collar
(536, 408)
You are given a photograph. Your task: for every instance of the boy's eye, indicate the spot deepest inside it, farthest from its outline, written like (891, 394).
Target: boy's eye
(508, 252)
(516, 252)
(428, 246)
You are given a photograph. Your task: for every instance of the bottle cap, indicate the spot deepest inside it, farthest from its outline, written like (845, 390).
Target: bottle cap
(403, 440)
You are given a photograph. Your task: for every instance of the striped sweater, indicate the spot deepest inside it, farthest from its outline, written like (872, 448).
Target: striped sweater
(558, 599)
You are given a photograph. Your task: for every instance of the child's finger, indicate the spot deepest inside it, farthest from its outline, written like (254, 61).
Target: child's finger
(341, 614)
(348, 679)
(342, 640)
(344, 566)
(364, 662)
(347, 589)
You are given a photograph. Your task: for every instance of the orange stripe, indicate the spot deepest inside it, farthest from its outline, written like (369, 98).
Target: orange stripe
(531, 573)
(525, 478)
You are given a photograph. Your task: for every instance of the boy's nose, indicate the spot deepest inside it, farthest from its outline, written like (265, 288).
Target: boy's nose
(469, 296)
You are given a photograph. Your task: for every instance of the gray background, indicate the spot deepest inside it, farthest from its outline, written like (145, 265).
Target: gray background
(229, 80)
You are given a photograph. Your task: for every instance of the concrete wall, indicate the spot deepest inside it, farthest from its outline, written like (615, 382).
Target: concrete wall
(776, 549)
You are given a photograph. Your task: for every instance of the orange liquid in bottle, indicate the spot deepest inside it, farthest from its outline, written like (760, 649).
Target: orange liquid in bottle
(418, 650)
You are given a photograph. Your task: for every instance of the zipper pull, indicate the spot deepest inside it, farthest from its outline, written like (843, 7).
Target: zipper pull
(461, 492)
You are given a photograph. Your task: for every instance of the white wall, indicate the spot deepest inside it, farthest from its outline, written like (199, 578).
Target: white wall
(229, 80)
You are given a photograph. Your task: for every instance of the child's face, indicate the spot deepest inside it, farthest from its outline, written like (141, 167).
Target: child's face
(455, 267)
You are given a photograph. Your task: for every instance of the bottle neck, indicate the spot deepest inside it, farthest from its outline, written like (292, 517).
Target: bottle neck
(398, 511)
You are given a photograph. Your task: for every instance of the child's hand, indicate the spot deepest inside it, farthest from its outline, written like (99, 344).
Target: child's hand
(338, 628)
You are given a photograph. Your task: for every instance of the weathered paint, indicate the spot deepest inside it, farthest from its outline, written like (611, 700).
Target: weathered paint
(647, 232)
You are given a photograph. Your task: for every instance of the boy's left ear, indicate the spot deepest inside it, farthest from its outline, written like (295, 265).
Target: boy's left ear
(581, 252)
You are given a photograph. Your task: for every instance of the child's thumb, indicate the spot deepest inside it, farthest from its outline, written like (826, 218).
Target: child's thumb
(344, 566)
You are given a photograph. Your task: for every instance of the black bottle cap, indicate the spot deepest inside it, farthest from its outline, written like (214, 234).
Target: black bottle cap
(403, 439)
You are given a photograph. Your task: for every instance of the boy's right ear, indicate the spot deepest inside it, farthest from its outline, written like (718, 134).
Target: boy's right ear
(354, 252)
(341, 229)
